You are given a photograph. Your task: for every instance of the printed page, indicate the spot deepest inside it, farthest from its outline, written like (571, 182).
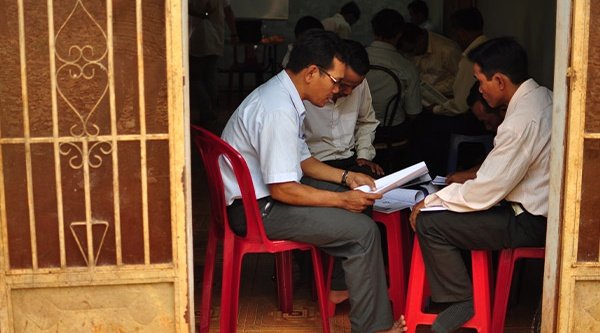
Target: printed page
(396, 179)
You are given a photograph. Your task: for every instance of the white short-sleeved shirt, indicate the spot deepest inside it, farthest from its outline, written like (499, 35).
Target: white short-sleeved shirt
(383, 88)
(266, 129)
(207, 33)
(337, 23)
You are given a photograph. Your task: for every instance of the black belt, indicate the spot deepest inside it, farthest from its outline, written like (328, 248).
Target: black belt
(264, 205)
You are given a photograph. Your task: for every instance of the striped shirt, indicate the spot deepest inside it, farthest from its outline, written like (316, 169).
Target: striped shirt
(518, 168)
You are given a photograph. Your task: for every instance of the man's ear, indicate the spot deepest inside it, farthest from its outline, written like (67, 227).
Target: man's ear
(311, 73)
(500, 80)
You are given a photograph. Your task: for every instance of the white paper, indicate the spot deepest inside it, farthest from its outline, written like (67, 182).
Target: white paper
(396, 179)
(397, 199)
(433, 209)
(426, 178)
(439, 180)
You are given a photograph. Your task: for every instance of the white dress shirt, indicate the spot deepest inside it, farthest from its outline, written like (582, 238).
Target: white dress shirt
(383, 88)
(336, 130)
(462, 84)
(266, 129)
(439, 64)
(207, 34)
(518, 168)
(337, 23)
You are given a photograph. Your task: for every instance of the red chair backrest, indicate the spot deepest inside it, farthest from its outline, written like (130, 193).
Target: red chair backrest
(212, 149)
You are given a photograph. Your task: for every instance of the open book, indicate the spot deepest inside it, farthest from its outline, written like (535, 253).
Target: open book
(396, 179)
(397, 199)
(431, 96)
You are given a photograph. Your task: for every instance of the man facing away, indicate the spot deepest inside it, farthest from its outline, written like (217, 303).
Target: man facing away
(267, 130)
(468, 33)
(341, 133)
(341, 22)
(506, 204)
(387, 27)
(435, 56)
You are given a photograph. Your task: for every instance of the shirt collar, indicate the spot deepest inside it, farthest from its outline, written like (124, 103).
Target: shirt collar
(287, 83)
(524, 89)
(476, 42)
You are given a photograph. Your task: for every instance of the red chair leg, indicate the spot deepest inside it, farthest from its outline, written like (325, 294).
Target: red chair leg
(207, 279)
(285, 284)
(506, 266)
(232, 267)
(322, 289)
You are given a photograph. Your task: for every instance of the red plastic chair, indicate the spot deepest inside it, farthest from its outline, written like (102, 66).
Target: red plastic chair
(417, 286)
(235, 247)
(506, 265)
(397, 235)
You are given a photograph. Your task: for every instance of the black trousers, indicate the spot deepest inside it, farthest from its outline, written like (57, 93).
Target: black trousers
(442, 236)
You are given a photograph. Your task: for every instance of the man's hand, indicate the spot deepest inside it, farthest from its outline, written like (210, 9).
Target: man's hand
(357, 201)
(375, 168)
(355, 179)
(462, 176)
(415, 212)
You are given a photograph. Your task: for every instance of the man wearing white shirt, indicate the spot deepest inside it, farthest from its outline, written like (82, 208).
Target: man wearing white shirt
(341, 22)
(266, 129)
(341, 133)
(387, 26)
(506, 204)
(207, 42)
(468, 26)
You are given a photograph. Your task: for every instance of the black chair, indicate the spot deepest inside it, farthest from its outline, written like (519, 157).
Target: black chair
(486, 141)
(388, 147)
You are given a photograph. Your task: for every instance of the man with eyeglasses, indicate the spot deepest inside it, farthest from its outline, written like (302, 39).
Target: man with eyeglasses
(267, 130)
(341, 133)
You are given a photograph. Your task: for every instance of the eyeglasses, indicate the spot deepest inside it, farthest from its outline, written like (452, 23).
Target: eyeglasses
(335, 81)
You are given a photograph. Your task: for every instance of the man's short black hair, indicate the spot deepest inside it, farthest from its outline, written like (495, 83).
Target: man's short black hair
(316, 47)
(469, 19)
(501, 55)
(420, 7)
(305, 23)
(351, 8)
(356, 57)
(387, 23)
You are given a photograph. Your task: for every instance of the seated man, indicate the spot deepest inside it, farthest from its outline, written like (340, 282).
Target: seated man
(468, 33)
(387, 29)
(435, 56)
(506, 204)
(418, 12)
(341, 132)
(340, 23)
(302, 25)
(267, 130)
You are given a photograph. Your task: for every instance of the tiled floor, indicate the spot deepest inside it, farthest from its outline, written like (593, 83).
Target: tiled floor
(258, 310)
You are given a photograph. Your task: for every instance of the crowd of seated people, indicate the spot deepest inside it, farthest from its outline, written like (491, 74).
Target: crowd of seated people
(322, 114)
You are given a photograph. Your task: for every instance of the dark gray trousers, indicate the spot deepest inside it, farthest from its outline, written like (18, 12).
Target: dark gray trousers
(339, 233)
(442, 236)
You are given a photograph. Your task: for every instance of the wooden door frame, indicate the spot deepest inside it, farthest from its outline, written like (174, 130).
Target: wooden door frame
(563, 75)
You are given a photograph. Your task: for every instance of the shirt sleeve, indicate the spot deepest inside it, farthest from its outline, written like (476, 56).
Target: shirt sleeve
(461, 87)
(366, 124)
(412, 92)
(502, 170)
(278, 147)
